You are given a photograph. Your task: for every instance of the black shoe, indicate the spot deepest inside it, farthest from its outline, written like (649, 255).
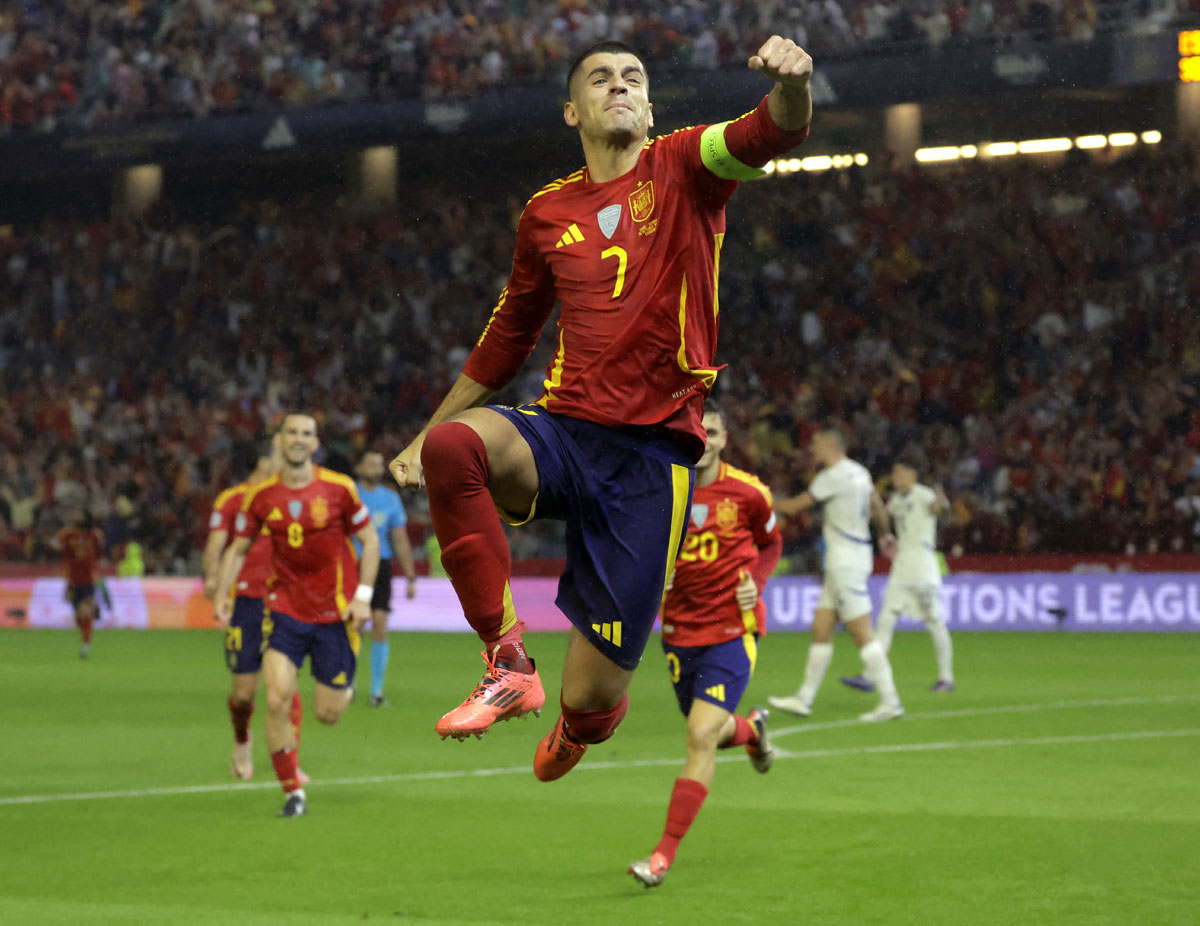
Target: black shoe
(295, 806)
(379, 701)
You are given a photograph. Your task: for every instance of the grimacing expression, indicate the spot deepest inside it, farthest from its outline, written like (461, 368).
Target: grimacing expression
(299, 438)
(610, 96)
(716, 436)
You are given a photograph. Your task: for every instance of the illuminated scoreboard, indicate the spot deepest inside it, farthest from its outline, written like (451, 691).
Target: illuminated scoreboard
(1189, 56)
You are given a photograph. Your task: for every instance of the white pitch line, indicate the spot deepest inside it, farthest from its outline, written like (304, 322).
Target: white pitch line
(989, 711)
(460, 774)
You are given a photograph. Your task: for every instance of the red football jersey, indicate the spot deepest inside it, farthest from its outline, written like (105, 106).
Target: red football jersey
(252, 580)
(312, 578)
(732, 528)
(81, 550)
(634, 262)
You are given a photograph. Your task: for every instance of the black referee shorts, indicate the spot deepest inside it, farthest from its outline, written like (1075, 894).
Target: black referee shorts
(381, 600)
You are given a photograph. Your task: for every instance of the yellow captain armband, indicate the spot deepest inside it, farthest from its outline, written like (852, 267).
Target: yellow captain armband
(715, 155)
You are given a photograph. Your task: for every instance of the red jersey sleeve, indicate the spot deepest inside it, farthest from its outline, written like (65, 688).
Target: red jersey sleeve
(225, 510)
(765, 528)
(519, 316)
(249, 520)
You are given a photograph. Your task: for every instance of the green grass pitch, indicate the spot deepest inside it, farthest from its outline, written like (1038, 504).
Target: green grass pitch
(1057, 786)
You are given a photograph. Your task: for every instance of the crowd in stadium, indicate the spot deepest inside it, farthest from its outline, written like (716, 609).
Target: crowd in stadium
(100, 63)
(1027, 328)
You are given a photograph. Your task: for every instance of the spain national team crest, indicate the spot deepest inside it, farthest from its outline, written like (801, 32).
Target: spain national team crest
(295, 508)
(727, 515)
(699, 515)
(320, 511)
(641, 201)
(609, 218)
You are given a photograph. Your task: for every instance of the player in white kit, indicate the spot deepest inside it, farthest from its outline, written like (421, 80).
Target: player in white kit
(849, 502)
(914, 585)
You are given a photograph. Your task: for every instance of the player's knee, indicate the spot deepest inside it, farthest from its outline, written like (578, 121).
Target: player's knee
(594, 726)
(327, 715)
(703, 737)
(279, 702)
(451, 455)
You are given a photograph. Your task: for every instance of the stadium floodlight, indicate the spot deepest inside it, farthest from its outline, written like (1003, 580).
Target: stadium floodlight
(794, 164)
(1152, 137)
(1121, 139)
(1090, 141)
(861, 159)
(1000, 149)
(817, 162)
(1044, 145)
(928, 155)
(968, 151)
(769, 167)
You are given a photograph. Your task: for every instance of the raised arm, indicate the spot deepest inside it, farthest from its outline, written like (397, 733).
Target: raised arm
(789, 65)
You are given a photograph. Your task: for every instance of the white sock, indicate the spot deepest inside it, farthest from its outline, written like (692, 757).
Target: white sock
(943, 649)
(820, 655)
(879, 671)
(886, 629)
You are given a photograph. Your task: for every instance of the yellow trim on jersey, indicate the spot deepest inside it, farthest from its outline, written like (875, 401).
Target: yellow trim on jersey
(554, 380)
(338, 479)
(751, 480)
(718, 243)
(680, 486)
(339, 596)
(224, 497)
(355, 640)
(558, 184)
(252, 491)
(495, 311)
(509, 621)
(751, 643)
(708, 377)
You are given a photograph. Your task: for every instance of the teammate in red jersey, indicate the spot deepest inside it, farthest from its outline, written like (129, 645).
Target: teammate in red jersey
(711, 620)
(629, 244)
(313, 608)
(82, 546)
(244, 635)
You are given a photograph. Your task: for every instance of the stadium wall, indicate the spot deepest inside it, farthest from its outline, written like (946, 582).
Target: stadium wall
(1014, 601)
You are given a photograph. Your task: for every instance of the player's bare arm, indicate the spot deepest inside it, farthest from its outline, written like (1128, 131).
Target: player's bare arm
(231, 565)
(403, 550)
(790, 507)
(359, 610)
(791, 67)
(940, 502)
(466, 393)
(883, 524)
(210, 561)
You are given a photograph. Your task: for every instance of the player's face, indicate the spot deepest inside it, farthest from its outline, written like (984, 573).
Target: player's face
(903, 477)
(821, 444)
(715, 436)
(370, 468)
(610, 97)
(298, 439)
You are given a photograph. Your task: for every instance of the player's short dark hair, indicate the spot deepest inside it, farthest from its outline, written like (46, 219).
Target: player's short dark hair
(910, 458)
(607, 46)
(713, 407)
(296, 413)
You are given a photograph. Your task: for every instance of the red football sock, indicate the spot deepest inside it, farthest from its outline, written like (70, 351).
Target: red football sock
(286, 762)
(510, 653)
(474, 548)
(743, 733)
(687, 798)
(295, 714)
(85, 629)
(240, 715)
(592, 726)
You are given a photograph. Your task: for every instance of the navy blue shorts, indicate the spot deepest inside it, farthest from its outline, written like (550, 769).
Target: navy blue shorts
(333, 647)
(244, 636)
(78, 594)
(718, 674)
(624, 498)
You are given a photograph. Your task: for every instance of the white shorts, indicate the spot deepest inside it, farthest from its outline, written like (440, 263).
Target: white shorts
(845, 592)
(921, 601)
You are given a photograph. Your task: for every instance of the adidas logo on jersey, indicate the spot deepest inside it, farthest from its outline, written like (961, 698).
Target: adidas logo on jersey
(275, 515)
(571, 236)
(716, 691)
